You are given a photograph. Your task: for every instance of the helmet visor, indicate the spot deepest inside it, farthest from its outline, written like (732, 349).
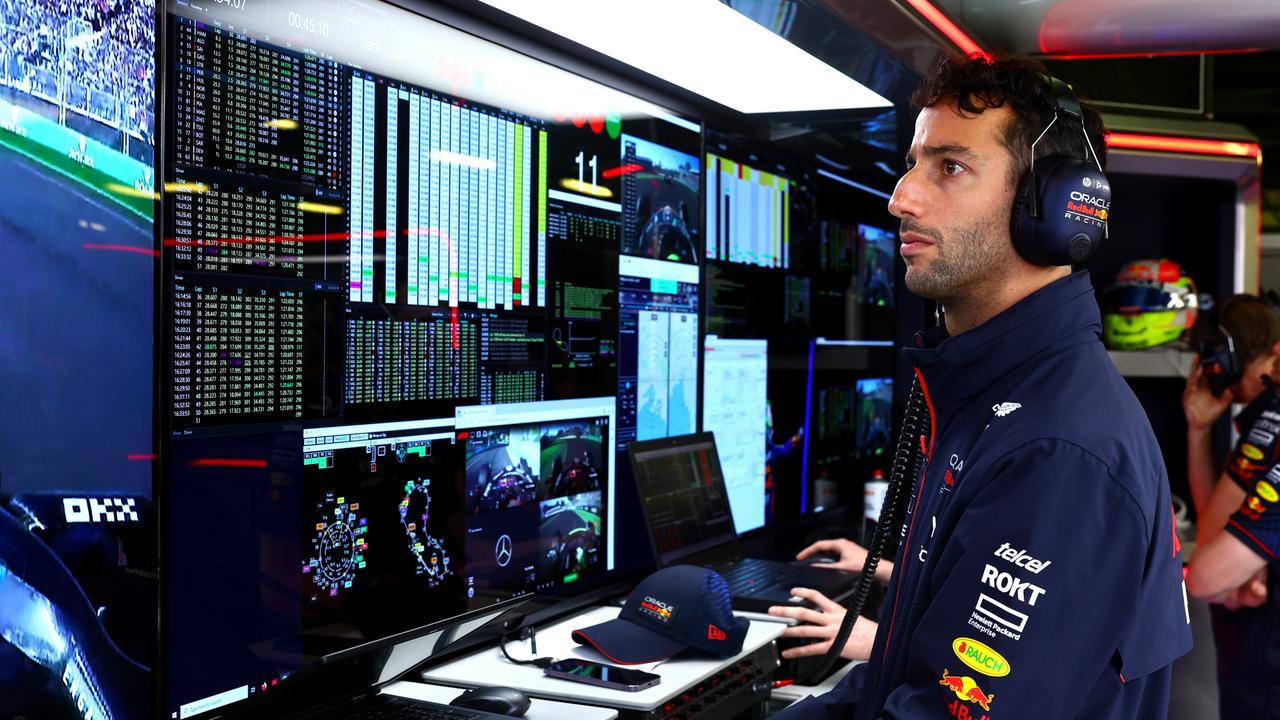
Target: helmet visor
(1140, 298)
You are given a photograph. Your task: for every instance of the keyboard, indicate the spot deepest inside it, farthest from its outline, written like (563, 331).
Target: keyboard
(750, 575)
(395, 708)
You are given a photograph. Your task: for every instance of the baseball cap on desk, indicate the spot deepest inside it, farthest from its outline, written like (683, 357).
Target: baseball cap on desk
(674, 609)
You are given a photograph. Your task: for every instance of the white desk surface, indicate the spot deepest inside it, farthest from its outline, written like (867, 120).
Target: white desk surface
(678, 675)
(539, 709)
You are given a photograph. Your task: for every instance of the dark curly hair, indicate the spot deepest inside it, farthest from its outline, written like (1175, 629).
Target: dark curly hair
(1254, 326)
(979, 82)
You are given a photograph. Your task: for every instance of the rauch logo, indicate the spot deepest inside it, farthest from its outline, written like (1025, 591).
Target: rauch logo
(980, 657)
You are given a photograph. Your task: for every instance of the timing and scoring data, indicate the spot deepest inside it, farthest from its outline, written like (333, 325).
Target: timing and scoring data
(736, 410)
(748, 214)
(395, 327)
(658, 340)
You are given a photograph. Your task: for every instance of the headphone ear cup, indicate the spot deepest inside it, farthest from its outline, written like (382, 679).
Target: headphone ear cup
(1073, 201)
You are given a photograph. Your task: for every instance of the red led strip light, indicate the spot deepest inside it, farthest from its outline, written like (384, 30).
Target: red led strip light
(1199, 146)
(948, 28)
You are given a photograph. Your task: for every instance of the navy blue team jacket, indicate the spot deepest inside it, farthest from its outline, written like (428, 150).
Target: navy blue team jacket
(1248, 639)
(1039, 575)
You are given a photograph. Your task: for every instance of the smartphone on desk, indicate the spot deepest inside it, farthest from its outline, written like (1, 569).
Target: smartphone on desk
(608, 676)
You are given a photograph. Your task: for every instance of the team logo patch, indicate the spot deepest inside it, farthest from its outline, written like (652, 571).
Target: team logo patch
(1004, 409)
(980, 657)
(1251, 451)
(656, 609)
(1267, 491)
(966, 689)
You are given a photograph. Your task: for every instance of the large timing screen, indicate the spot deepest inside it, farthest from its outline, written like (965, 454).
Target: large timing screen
(391, 261)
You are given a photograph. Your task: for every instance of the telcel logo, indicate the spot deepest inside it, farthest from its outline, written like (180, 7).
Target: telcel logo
(980, 657)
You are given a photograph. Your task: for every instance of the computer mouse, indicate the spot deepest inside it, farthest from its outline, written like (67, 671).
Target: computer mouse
(822, 559)
(500, 700)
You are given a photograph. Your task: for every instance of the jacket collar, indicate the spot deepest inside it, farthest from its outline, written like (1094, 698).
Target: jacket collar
(1060, 314)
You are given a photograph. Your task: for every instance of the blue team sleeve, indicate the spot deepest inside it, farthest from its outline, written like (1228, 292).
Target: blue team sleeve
(1054, 582)
(1257, 453)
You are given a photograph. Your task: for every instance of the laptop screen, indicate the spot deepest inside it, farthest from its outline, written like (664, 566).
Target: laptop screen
(683, 494)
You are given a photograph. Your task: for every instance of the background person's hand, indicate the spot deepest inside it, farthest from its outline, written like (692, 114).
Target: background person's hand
(821, 626)
(1198, 402)
(1252, 594)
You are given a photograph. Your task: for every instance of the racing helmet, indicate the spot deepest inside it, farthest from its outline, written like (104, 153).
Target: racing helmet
(1150, 303)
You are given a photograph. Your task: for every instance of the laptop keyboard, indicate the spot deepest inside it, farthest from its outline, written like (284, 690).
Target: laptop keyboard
(750, 576)
(402, 709)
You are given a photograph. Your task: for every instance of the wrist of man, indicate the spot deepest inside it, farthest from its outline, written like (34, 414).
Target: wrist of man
(1199, 432)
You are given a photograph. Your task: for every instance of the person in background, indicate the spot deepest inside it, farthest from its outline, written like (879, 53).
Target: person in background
(1238, 527)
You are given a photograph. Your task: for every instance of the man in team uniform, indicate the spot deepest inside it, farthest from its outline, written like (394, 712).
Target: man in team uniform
(1238, 536)
(1038, 574)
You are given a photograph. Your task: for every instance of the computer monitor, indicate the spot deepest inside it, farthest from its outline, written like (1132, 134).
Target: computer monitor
(736, 412)
(875, 271)
(849, 420)
(361, 249)
(77, 109)
(748, 214)
(540, 495)
(658, 347)
(661, 176)
(875, 417)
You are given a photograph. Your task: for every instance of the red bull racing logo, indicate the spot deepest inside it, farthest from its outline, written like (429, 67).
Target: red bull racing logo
(966, 689)
(657, 609)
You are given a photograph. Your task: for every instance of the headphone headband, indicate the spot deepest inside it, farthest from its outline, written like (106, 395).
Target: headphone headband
(1064, 100)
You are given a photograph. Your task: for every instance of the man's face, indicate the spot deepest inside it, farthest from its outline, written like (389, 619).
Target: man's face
(954, 203)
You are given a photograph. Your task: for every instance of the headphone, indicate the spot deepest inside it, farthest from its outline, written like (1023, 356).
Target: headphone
(1062, 205)
(1221, 363)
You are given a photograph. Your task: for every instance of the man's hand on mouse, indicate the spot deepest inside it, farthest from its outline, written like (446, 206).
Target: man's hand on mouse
(821, 625)
(850, 556)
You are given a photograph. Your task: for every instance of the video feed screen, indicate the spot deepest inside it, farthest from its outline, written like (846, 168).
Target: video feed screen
(874, 417)
(77, 524)
(875, 272)
(661, 191)
(536, 504)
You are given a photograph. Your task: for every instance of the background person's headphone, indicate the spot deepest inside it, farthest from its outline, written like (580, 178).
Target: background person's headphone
(1063, 204)
(1220, 362)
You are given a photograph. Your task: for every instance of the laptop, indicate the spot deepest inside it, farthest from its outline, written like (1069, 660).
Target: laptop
(686, 508)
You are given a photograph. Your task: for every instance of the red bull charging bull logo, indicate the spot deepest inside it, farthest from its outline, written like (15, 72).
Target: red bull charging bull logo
(966, 689)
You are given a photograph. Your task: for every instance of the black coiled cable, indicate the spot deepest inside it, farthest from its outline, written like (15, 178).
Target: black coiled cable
(906, 468)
